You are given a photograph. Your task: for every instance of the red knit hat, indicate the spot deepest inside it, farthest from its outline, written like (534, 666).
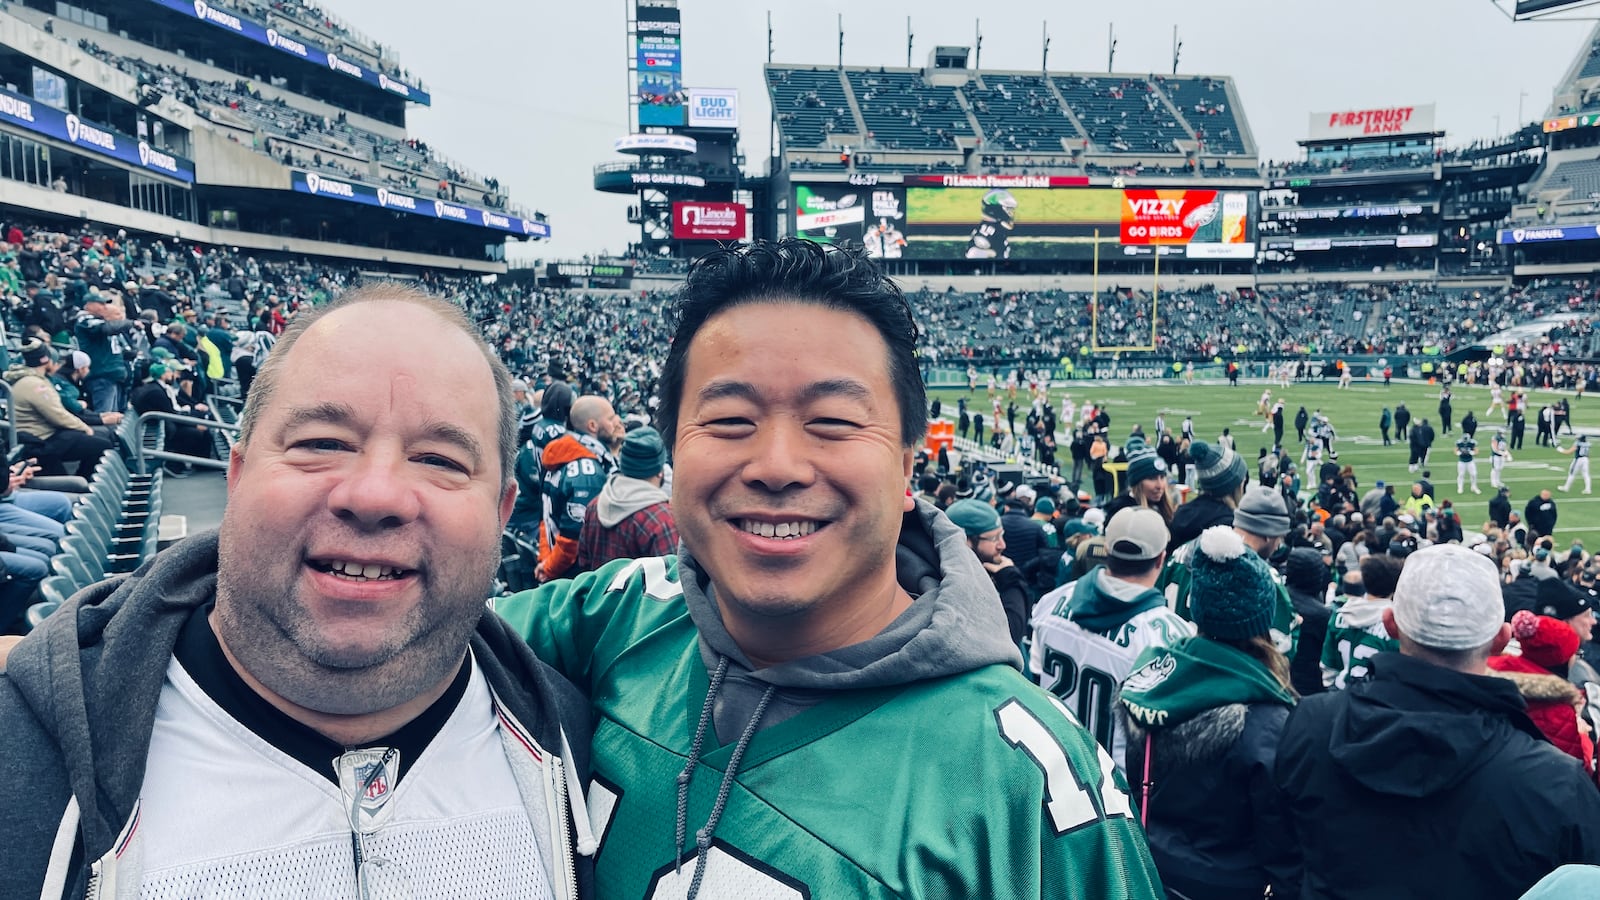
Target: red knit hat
(1545, 642)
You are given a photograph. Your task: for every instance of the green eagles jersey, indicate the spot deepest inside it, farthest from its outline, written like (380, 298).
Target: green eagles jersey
(1466, 448)
(1355, 635)
(975, 785)
(1174, 585)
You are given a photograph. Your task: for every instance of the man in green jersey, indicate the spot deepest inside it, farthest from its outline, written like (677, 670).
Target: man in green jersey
(818, 697)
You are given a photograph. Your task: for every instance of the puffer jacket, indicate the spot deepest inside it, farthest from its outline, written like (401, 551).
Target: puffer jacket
(1554, 705)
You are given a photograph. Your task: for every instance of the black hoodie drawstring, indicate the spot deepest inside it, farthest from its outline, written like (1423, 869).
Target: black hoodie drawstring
(702, 837)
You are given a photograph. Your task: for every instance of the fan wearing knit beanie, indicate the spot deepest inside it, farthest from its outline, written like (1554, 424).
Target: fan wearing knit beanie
(1145, 482)
(1221, 476)
(1261, 521)
(986, 539)
(1540, 674)
(1204, 715)
(631, 518)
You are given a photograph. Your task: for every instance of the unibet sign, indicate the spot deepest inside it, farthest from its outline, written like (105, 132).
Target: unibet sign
(713, 108)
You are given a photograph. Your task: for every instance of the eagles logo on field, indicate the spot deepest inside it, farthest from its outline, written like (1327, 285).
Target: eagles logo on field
(1150, 674)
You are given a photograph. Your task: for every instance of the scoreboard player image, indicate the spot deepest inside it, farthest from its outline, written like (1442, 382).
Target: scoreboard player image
(989, 238)
(884, 240)
(1012, 223)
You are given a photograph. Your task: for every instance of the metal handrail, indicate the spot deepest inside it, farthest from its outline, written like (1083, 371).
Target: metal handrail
(140, 451)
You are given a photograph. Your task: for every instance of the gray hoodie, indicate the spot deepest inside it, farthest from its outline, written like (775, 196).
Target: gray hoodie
(78, 703)
(623, 496)
(956, 624)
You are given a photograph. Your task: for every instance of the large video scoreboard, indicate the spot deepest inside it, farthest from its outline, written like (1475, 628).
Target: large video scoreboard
(1023, 217)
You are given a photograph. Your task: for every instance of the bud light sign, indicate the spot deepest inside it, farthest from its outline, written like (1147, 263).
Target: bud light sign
(697, 221)
(713, 108)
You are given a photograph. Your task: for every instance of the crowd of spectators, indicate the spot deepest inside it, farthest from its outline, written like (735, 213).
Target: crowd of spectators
(1337, 598)
(295, 137)
(313, 23)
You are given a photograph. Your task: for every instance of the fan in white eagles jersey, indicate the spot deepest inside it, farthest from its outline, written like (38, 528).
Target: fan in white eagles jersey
(1087, 633)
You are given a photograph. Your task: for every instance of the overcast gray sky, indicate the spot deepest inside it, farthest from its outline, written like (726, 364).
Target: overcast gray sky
(535, 91)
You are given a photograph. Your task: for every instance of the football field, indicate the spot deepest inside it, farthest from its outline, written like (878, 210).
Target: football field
(1355, 413)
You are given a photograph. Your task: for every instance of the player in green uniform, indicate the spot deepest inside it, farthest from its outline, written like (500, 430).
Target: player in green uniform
(1467, 463)
(820, 697)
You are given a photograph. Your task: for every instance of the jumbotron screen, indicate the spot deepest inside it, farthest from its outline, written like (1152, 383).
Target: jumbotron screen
(937, 222)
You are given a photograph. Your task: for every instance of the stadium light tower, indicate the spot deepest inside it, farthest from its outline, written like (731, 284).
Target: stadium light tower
(1111, 46)
(1177, 48)
(1044, 60)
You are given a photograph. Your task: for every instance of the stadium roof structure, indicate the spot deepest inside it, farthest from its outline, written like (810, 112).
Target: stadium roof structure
(1524, 10)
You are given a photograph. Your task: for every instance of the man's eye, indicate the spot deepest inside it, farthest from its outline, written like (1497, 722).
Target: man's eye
(442, 462)
(321, 444)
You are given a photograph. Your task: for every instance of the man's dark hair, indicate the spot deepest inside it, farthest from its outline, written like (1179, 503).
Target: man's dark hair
(1380, 574)
(796, 271)
(1132, 568)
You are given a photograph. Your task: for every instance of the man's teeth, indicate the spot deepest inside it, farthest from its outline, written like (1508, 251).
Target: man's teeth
(357, 570)
(779, 529)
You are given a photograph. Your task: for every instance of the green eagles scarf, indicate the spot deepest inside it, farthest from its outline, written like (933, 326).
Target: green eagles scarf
(1171, 685)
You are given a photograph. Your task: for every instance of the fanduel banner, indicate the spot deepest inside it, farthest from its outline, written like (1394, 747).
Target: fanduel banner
(228, 20)
(713, 108)
(25, 112)
(1358, 123)
(340, 189)
(696, 221)
(1553, 233)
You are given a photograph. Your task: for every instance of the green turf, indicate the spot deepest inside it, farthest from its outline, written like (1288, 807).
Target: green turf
(1354, 413)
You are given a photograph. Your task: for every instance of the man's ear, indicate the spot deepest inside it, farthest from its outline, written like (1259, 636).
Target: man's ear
(1389, 623)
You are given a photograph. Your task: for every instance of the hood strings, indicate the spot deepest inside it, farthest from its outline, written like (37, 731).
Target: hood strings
(702, 838)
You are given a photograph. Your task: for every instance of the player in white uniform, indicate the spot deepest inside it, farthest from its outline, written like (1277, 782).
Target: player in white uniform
(1344, 376)
(1494, 399)
(1068, 409)
(1499, 455)
(1087, 633)
(1580, 463)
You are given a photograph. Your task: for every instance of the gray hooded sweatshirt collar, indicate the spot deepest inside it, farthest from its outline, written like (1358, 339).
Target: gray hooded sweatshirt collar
(955, 624)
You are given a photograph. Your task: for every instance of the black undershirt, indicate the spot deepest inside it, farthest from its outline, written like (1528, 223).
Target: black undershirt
(200, 654)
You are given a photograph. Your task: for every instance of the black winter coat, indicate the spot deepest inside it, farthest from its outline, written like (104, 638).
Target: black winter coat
(1305, 669)
(1425, 782)
(1196, 516)
(1217, 824)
